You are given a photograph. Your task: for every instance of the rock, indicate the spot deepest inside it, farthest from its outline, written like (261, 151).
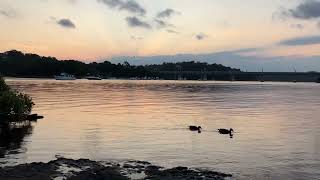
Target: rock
(143, 162)
(179, 168)
(92, 170)
(34, 117)
(100, 174)
(127, 166)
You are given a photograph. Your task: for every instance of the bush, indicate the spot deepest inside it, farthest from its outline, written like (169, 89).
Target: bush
(14, 106)
(3, 85)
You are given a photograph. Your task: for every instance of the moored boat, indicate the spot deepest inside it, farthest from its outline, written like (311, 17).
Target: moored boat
(65, 76)
(93, 78)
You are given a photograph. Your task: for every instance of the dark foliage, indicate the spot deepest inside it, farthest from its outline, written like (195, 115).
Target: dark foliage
(17, 64)
(190, 66)
(14, 106)
(3, 85)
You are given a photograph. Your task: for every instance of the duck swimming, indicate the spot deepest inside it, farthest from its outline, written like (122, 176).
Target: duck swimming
(226, 131)
(195, 128)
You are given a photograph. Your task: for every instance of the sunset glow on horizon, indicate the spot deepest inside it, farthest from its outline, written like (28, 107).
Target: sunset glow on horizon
(102, 29)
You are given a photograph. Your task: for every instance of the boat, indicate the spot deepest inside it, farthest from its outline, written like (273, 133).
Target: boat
(93, 78)
(65, 76)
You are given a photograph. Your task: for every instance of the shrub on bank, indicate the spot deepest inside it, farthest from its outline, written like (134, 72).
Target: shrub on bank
(3, 85)
(14, 106)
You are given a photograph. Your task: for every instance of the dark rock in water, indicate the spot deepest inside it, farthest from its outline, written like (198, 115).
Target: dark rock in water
(140, 162)
(152, 168)
(33, 171)
(127, 166)
(84, 169)
(180, 168)
(100, 174)
(183, 173)
(34, 117)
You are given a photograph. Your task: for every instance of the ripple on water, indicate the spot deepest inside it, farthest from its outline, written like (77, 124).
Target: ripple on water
(276, 124)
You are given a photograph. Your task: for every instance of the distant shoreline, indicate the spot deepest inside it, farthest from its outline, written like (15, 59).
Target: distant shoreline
(312, 77)
(25, 65)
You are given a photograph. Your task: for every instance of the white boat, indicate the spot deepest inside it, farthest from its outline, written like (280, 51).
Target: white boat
(65, 76)
(93, 78)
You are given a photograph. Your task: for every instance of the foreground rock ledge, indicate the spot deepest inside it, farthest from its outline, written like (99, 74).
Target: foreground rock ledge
(84, 169)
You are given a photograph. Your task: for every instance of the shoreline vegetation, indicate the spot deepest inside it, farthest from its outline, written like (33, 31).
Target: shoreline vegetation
(15, 118)
(15, 107)
(25, 65)
(17, 64)
(63, 168)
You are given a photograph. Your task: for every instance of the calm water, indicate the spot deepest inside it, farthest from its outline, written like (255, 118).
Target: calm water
(277, 125)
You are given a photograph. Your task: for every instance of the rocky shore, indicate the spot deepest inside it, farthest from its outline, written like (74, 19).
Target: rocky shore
(84, 169)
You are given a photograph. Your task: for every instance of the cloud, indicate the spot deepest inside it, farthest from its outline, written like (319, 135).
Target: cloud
(167, 13)
(159, 19)
(136, 38)
(72, 1)
(247, 50)
(4, 13)
(299, 41)
(133, 7)
(127, 5)
(7, 13)
(66, 23)
(136, 22)
(224, 24)
(201, 36)
(308, 9)
(318, 24)
(172, 31)
(163, 24)
(297, 26)
(112, 3)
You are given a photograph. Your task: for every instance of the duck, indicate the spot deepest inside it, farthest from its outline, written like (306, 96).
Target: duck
(226, 131)
(195, 128)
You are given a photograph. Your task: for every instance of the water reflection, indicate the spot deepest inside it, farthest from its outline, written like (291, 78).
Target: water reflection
(148, 120)
(12, 136)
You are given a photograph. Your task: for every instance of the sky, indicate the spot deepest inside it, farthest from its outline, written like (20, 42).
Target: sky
(278, 35)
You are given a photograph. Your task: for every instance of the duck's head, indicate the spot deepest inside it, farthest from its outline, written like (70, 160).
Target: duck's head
(199, 129)
(231, 130)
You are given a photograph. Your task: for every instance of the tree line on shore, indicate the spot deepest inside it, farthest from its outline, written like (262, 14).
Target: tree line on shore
(17, 64)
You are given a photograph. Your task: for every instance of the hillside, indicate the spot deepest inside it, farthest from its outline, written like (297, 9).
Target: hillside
(17, 64)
